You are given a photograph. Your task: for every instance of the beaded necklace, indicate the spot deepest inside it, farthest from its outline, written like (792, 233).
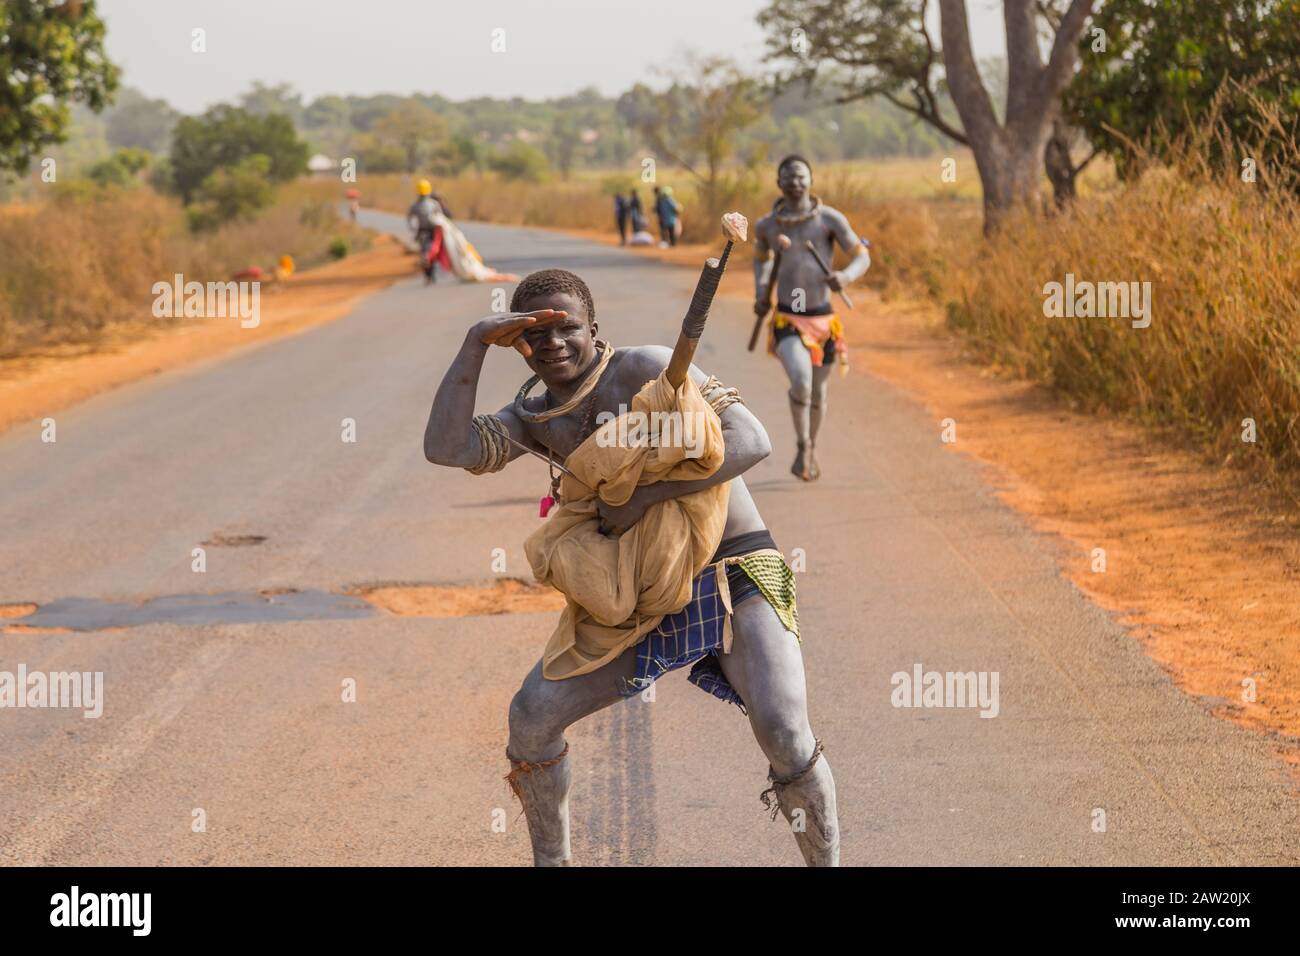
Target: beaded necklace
(794, 218)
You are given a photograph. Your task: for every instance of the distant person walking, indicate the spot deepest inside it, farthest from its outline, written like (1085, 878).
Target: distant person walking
(621, 216)
(640, 228)
(635, 212)
(421, 219)
(667, 209)
(441, 243)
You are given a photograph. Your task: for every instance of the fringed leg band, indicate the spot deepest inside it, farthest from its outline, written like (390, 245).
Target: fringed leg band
(523, 766)
(772, 794)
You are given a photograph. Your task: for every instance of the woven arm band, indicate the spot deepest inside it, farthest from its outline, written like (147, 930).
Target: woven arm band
(493, 443)
(723, 397)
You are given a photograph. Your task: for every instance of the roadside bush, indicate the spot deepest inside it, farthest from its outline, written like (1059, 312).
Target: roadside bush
(225, 136)
(520, 162)
(237, 192)
(123, 168)
(86, 259)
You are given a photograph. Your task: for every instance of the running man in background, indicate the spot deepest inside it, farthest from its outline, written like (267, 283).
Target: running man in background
(806, 334)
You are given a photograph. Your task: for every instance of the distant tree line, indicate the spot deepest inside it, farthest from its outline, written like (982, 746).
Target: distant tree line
(844, 80)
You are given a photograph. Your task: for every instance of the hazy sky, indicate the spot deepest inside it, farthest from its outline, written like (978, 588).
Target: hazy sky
(553, 47)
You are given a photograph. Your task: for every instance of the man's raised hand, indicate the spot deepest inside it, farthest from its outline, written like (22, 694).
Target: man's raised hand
(507, 329)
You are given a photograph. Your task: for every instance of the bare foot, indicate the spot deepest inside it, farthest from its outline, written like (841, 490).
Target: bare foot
(814, 469)
(800, 467)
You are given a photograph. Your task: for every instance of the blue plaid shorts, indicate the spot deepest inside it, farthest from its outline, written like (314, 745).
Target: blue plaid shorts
(694, 635)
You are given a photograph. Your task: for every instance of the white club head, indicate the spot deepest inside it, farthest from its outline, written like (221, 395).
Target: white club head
(735, 227)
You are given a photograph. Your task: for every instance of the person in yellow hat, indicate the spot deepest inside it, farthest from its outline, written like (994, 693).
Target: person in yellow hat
(422, 218)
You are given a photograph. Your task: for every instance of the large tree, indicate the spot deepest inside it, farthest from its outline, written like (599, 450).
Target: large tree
(50, 53)
(223, 137)
(1169, 65)
(413, 129)
(265, 100)
(138, 122)
(886, 48)
(694, 123)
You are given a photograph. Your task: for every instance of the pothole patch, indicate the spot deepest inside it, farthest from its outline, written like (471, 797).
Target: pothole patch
(506, 596)
(28, 629)
(228, 607)
(234, 540)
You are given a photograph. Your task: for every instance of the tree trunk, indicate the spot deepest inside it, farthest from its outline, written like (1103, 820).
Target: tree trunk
(1011, 170)
(1010, 155)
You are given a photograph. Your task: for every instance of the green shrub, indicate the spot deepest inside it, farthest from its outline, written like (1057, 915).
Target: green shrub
(232, 193)
(121, 169)
(521, 161)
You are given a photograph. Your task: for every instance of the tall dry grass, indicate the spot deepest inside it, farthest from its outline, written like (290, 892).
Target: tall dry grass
(1223, 346)
(577, 203)
(85, 261)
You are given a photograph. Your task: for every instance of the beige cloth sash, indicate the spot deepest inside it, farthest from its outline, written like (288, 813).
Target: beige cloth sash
(618, 589)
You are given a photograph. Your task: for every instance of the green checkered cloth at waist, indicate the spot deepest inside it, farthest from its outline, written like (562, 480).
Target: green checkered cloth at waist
(774, 580)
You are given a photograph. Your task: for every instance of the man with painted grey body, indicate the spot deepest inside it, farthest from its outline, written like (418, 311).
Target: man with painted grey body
(552, 324)
(806, 334)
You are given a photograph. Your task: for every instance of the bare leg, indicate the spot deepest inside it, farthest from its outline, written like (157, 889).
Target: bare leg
(766, 668)
(540, 774)
(799, 369)
(821, 380)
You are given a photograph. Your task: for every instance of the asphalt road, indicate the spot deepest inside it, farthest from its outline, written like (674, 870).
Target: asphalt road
(212, 705)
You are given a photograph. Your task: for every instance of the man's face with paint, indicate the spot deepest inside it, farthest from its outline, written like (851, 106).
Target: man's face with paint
(794, 180)
(562, 350)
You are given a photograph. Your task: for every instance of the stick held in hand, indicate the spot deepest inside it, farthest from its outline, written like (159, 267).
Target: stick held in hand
(826, 270)
(734, 226)
(782, 244)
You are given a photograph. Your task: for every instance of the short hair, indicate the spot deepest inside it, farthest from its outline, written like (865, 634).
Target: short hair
(549, 282)
(793, 158)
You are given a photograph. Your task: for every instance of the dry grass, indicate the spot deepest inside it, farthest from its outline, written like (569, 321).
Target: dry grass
(86, 260)
(1223, 258)
(577, 203)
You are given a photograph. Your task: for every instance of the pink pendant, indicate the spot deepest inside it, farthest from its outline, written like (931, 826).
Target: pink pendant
(547, 504)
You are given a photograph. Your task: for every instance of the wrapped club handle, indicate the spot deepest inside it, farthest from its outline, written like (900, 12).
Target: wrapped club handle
(696, 315)
(734, 226)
